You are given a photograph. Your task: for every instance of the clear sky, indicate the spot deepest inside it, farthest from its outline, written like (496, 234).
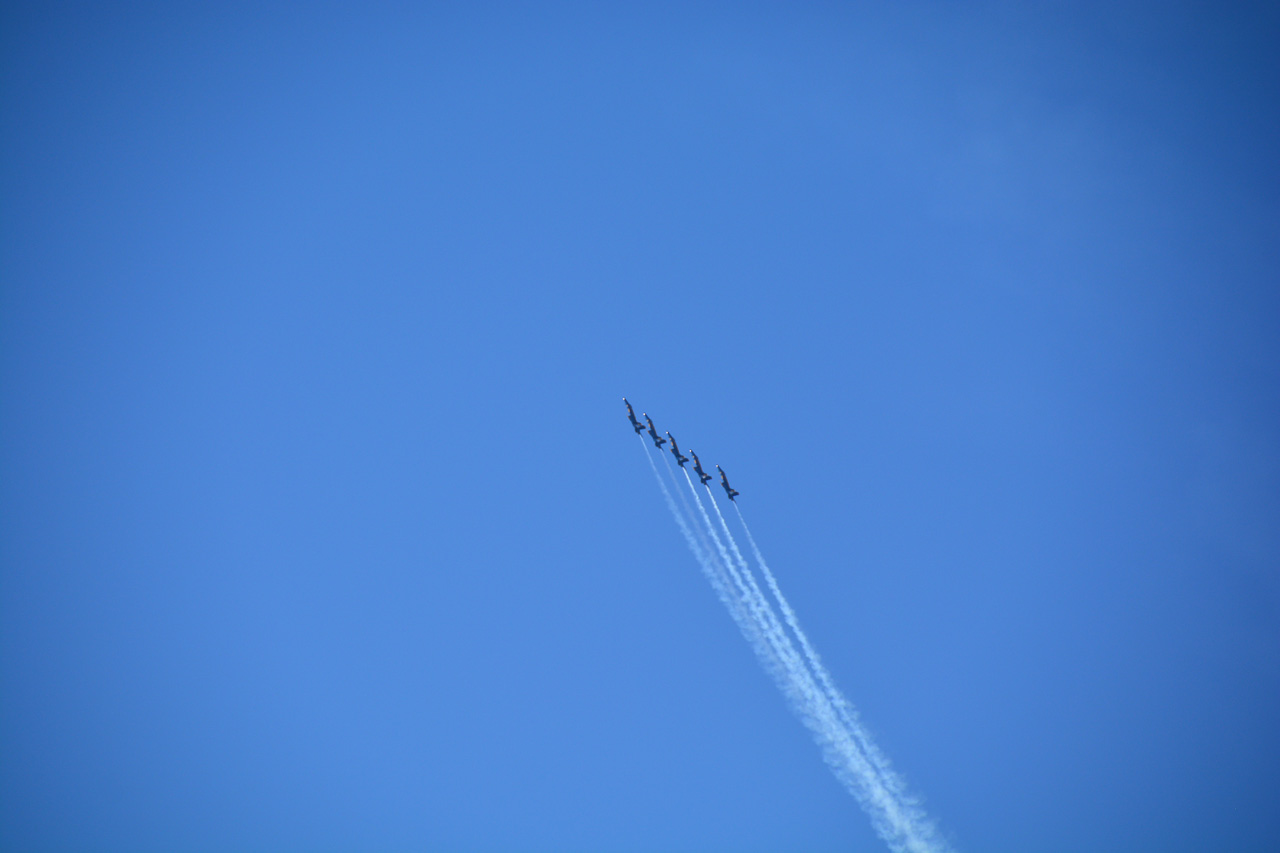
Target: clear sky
(322, 526)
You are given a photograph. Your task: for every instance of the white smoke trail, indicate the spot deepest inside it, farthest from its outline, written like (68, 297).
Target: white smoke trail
(764, 607)
(813, 707)
(749, 608)
(688, 515)
(738, 582)
(779, 658)
(710, 569)
(760, 606)
(848, 714)
(842, 745)
(845, 746)
(903, 824)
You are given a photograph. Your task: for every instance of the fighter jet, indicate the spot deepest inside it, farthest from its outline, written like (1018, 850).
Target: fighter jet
(697, 466)
(724, 481)
(639, 427)
(680, 460)
(658, 440)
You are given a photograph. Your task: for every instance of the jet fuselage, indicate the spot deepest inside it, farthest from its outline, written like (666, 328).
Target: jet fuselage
(724, 481)
(658, 440)
(631, 415)
(697, 467)
(675, 451)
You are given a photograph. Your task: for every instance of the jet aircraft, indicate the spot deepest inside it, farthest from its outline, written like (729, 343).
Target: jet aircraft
(658, 440)
(697, 466)
(724, 481)
(639, 427)
(680, 460)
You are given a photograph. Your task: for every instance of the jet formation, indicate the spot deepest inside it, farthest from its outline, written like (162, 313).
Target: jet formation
(658, 441)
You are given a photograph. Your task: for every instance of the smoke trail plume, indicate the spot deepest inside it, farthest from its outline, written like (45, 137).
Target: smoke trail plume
(848, 715)
(846, 746)
(710, 569)
(908, 816)
(848, 749)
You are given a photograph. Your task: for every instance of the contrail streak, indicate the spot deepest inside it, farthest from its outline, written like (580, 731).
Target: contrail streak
(848, 715)
(782, 658)
(712, 575)
(760, 605)
(710, 569)
(809, 689)
(813, 707)
(908, 817)
(752, 613)
(688, 513)
(739, 584)
(764, 606)
(850, 761)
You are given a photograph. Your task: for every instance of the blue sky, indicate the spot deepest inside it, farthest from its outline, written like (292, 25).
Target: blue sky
(321, 525)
